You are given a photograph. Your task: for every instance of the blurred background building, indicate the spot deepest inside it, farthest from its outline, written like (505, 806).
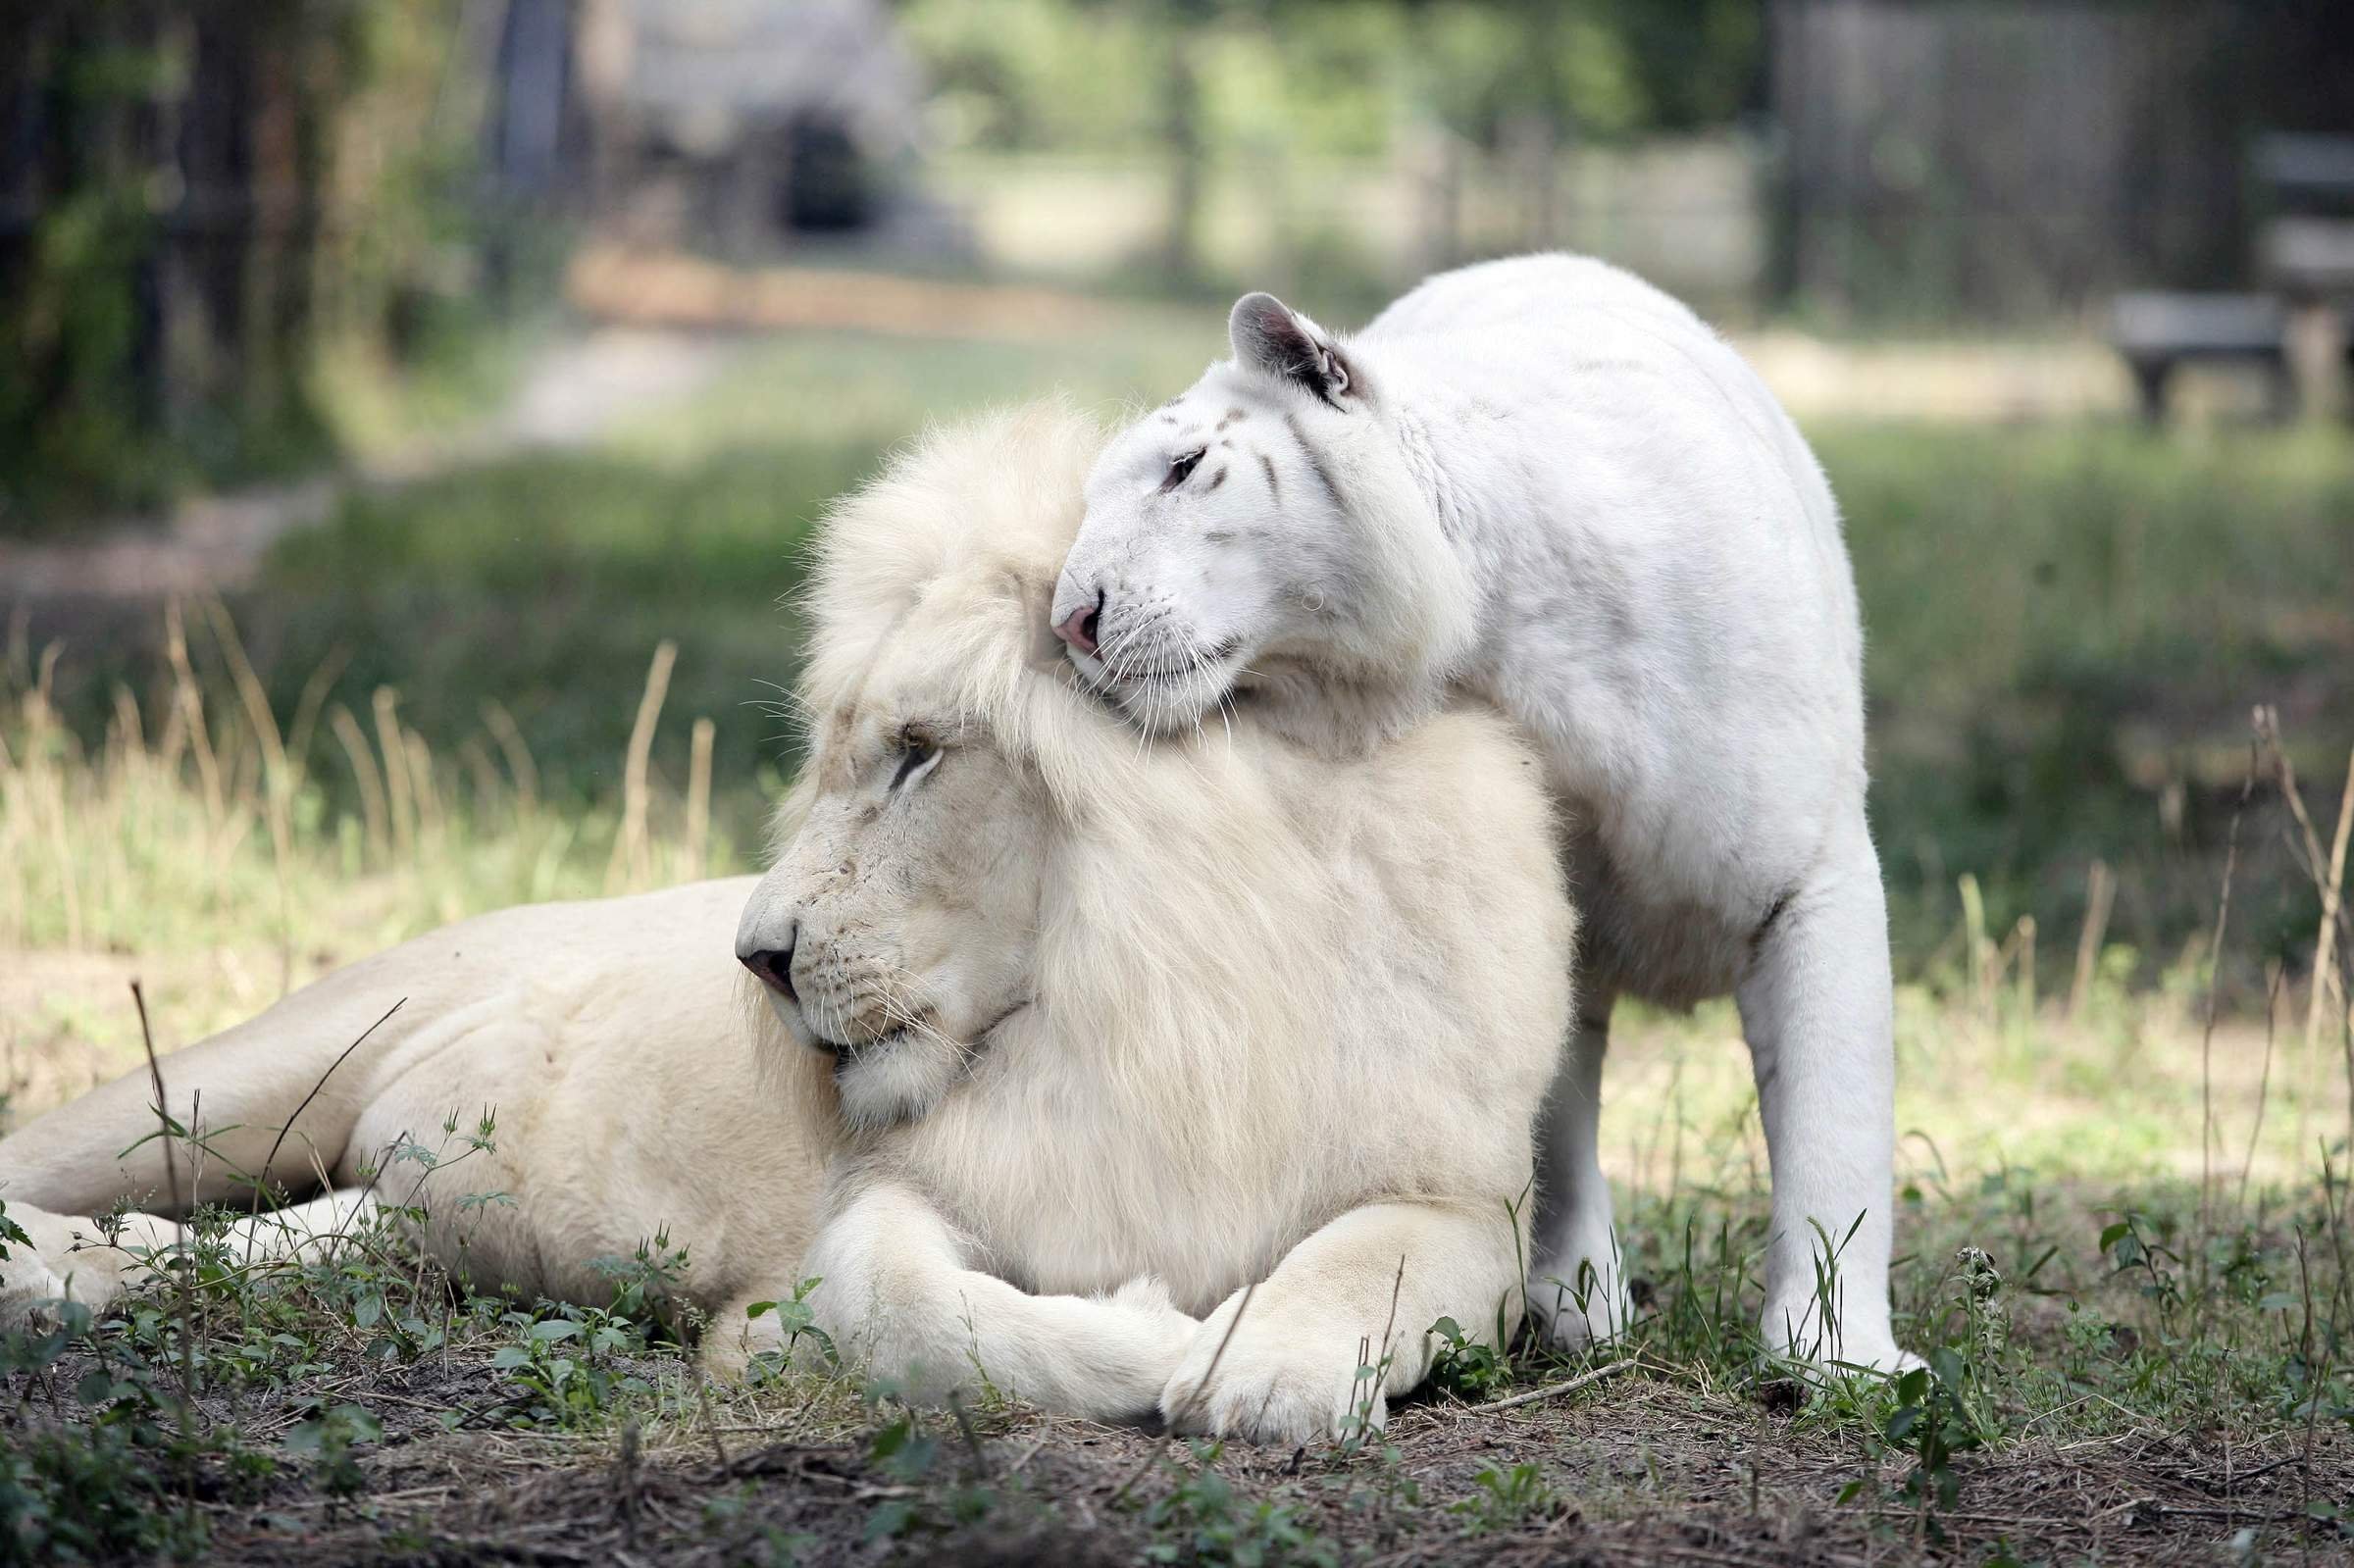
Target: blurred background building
(199, 200)
(2016, 161)
(745, 125)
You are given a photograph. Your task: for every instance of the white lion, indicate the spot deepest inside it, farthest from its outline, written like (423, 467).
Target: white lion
(1108, 1040)
(1545, 484)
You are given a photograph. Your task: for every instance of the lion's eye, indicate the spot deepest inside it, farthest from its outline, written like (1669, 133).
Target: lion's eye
(916, 757)
(1182, 466)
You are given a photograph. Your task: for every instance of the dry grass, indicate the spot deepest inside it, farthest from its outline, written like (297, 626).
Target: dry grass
(2121, 1235)
(198, 844)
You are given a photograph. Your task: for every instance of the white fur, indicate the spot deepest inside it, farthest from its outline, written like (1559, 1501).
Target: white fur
(1126, 1033)
(1544, 483)
(1194, 1018)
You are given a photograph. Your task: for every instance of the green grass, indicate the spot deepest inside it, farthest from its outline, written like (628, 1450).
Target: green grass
(2067, 628)
(2117, 1239)
(545, 582)
(2136, 1377)
(2068, 625)
(2128, 1375)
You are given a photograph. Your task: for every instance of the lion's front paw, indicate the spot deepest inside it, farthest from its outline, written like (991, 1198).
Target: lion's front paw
(1159, 1324)
(1266, 1380)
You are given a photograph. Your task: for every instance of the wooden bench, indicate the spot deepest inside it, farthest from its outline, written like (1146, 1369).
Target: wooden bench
(2311, 176)
(2159, 333)
(2310, 259)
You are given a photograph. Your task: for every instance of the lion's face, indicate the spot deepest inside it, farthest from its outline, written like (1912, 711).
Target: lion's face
(896, 928)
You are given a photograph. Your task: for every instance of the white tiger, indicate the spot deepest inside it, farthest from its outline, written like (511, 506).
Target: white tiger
(1543, 481)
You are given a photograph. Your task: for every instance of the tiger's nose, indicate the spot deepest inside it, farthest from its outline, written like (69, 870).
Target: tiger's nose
(773, 965)
(1079, 628)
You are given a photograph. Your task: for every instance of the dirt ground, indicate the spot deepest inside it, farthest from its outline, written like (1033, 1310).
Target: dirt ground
(1638, 1469)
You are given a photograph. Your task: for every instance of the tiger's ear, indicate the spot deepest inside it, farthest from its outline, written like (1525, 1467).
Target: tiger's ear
(1270, 335)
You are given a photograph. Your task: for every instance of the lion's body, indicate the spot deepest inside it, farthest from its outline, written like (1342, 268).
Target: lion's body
(1193, 1018)
(1277, 997)
(1280, 1069)
(607, 1038)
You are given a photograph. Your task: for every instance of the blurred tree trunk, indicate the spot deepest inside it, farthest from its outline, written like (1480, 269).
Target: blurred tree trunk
(1189, 151)
(165, 179)
(79, 317)
(1535, 134)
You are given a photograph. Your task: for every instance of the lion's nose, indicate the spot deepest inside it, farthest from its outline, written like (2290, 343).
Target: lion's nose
(774, 964)
(1079, 628)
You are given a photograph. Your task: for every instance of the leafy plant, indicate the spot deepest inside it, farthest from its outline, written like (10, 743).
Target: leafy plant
(565, 1364)
(91, 1494)
(644, 1283)
(1932, 1422)
(327, 1436)
(1465, 1368)
(795, 1323)
(1505, 1497)
(2131, 1247)
(10, 1233)
(1201, 1521)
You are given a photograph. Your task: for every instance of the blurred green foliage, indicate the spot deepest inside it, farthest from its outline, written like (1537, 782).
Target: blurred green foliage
(2066, 630)
(1334, 78)
(218, 199)
(207, 199)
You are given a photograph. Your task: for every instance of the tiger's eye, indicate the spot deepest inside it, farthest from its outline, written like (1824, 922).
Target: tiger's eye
(1182, 466)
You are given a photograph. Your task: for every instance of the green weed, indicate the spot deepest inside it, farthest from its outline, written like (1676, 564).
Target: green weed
(1201, 1520)
(1503, 1499)
(1466, 1368)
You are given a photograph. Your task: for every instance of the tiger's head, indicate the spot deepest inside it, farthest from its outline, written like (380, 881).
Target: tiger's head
(1262, 536)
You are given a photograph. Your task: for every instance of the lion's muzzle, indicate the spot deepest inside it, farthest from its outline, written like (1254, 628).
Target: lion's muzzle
(771, 965)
